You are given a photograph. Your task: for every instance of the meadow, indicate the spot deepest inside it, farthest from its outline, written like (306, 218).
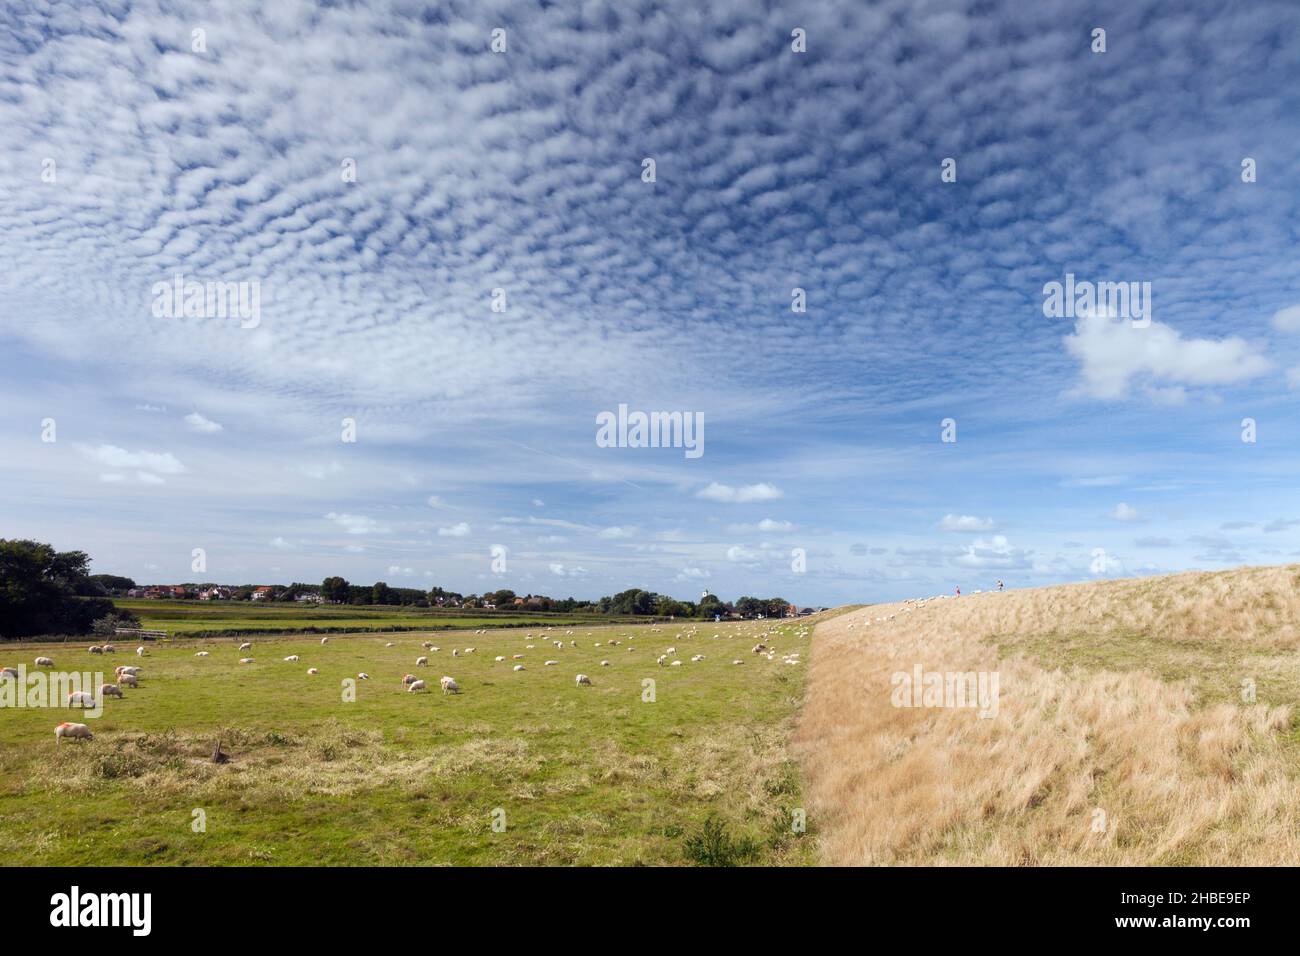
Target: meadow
(519, 768)
(233, 618)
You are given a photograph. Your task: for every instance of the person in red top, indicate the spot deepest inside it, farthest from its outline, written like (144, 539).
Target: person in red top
(959, 590)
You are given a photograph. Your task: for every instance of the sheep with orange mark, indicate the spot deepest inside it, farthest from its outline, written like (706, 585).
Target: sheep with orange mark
(72, 732)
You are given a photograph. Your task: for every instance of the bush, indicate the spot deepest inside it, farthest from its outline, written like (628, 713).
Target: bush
(713, 846)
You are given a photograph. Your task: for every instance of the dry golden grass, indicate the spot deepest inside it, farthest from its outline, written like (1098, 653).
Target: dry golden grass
(1123, 735)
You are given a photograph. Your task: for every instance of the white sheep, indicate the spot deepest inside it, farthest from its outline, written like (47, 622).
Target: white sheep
(246, 646)
(363, 676)
(435, 649)
(415, 685)
(8, 672)
(245, 660)
(737, 662)
(312, 671)
(499, 658)
(110, 649)
(551, 663)
(292, 659)
(139, 651)
(675, 664)
(422, 662)
(96, 649)
(517, 657)
(127, 669)
(201, 654)
(72, 732)
(582, 679)
(470, 650)
(519, 667)
(110, 690)
(324, 640)
(81, 698)
(449, 685)
(427, 645)
(44, 662)
(604, 663)
(129, 680)
(391, 644)
(455, 652)
(759, 648)
(697, 658)
(671, 650)
(409, 679)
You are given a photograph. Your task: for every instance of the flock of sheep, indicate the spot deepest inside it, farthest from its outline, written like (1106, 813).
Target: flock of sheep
(128, 676)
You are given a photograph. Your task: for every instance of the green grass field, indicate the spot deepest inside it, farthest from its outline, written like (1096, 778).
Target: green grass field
(231, 618)
(578, 775)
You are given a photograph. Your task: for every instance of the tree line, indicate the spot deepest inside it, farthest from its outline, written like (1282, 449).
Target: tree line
(43, 591)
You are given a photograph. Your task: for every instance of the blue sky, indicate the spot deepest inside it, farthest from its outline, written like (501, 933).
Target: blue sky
(522, 171)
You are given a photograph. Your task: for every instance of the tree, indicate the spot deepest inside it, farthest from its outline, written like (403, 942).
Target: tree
(39, 590)
(335, 590)
(381, 593)
(113, 583)
(709, 606)
(750, 606)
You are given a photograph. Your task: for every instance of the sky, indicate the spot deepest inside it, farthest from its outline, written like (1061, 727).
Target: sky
(460, 259)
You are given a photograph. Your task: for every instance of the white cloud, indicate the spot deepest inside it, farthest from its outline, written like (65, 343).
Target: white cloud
(198, 423)
(357, 524)
(1124, 512)
(395, 570)
(688, 574)
(616, 533)
(566, 572)
(742, 495)
(952, 522)
(154, 463)
(767, 525)
(280, 544)
(740, 553)
(1288, 319)
(434, 501)
(458, 530)
(1112, 353)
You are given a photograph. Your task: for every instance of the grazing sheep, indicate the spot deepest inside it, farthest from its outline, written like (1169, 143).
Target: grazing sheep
(675, 664)
(414, 686)
(582, 679)
(127, 669)
(470, 650)
(551, 663)
(499, 658)
(661, 659)
(201, 654)
(363, 676)
(312, 671)
(292, 659)
(9, 671)
(139, 651)
(110, 690)
(324, 640)
(81, 698)
(245, 660)
(391, 644)
(455, 652)
(44, 662)
(435, 649)
(72, 732)
(759, 648)
(737, 662)
(519, 667)
(696, 658)
(246, 646)
(427, 645)
(422, 662)
(96, 649)
(517, 657)
(529, 647)
(604, 663)
(409, 679)
(671, 650)
(110, 649)
(449, 685)
(128, 680)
